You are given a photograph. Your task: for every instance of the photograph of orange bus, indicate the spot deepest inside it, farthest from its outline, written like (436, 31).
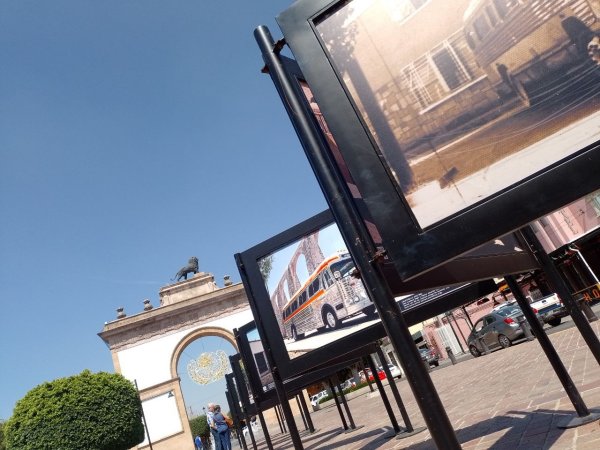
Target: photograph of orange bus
(330, 295)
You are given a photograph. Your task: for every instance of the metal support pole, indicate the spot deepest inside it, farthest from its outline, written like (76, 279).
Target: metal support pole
(464, 339)
(337, 404)
(562, 290)
(250, 431)
(236, 419)
(311, 426)
(591, 273)
(407, 424)
(283, 417)
(263, 425)
(583, 413)
(239, 387)
(356, 235)
(590, 315)
(384, 397)
(301, 413)
(366, 377)
(467, 317)
(278, 415)
(346, 407)
(448, 318)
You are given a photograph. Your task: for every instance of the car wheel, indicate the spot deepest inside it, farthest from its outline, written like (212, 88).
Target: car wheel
(474, 351)
(330, 318)
(554, 322)
(504, 341)
(436, 364)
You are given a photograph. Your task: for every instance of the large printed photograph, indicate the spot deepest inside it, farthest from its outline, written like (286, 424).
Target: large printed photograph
(467, 98)
(317, 295)
(314, 289)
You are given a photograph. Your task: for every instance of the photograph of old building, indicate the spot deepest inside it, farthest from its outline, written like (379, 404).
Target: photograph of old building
(467, 98)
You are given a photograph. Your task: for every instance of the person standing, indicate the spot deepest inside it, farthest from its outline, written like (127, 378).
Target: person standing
(210, 419)
(198, 442)
(222, 428)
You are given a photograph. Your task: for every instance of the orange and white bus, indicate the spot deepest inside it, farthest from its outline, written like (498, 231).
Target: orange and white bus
(521, 42)
(329, 295)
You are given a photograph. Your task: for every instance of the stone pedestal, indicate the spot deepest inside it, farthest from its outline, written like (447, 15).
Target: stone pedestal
(200, 284)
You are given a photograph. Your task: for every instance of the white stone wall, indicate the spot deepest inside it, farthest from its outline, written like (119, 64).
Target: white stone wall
(149, 363)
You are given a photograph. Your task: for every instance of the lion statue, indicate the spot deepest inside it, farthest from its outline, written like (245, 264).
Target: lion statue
(192, 267)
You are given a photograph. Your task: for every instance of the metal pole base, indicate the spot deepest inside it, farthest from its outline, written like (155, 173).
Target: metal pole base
(404, 434)
(576, 421)
(352, 430)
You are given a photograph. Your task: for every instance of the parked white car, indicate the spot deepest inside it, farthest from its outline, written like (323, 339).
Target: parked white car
(255, 428)
(349, 383)
(394, 371)
(314, 400)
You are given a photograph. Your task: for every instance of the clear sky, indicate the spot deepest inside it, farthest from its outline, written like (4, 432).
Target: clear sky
(133, 135)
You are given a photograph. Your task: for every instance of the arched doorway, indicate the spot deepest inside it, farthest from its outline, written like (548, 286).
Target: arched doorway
(200, 362)
(148, 346)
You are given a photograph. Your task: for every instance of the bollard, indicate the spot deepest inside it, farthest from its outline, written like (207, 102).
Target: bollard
(451, 355)
(525, 327)
(427, 366)
(585, 308)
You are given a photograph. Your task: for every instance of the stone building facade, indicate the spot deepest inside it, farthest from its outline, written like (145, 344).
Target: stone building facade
(146, 348)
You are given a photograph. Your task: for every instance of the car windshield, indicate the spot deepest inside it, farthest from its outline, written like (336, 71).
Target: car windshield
(508, 311)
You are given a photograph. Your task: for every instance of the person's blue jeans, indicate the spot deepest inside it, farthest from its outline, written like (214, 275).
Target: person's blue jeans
(225, 440)
(216, 439)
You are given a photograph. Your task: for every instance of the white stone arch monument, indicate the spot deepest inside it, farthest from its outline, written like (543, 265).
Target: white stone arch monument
(146, 347)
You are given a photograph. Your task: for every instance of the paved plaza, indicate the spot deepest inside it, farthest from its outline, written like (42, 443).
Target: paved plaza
(510, 399)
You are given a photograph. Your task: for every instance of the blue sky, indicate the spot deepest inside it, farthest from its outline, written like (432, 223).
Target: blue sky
(133, 135)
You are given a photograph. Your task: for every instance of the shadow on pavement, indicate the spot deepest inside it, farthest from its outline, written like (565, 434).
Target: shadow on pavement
(527, 429)
(380, 435)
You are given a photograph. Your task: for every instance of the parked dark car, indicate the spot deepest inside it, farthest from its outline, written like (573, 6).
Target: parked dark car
(430, 356)
(499, 328)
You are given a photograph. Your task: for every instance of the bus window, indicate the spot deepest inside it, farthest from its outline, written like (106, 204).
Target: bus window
(501, 8)
(481, 26)
(313, 287)
(451, 70)
(327, 281)
(491, 15)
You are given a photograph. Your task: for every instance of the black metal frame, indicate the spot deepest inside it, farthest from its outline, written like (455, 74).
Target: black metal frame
(413, 249)
(270, 334)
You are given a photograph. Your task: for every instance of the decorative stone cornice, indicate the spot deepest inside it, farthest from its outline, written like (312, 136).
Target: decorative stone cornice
(184, 313)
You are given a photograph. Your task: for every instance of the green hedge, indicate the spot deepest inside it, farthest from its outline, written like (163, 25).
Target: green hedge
(2, 445)
(199, 427)
(88, 411)
(346, 391)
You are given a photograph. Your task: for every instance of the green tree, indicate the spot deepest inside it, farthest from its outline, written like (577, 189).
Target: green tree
(265, 266)
(2, 444)
(88, 411)
(199, 426)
